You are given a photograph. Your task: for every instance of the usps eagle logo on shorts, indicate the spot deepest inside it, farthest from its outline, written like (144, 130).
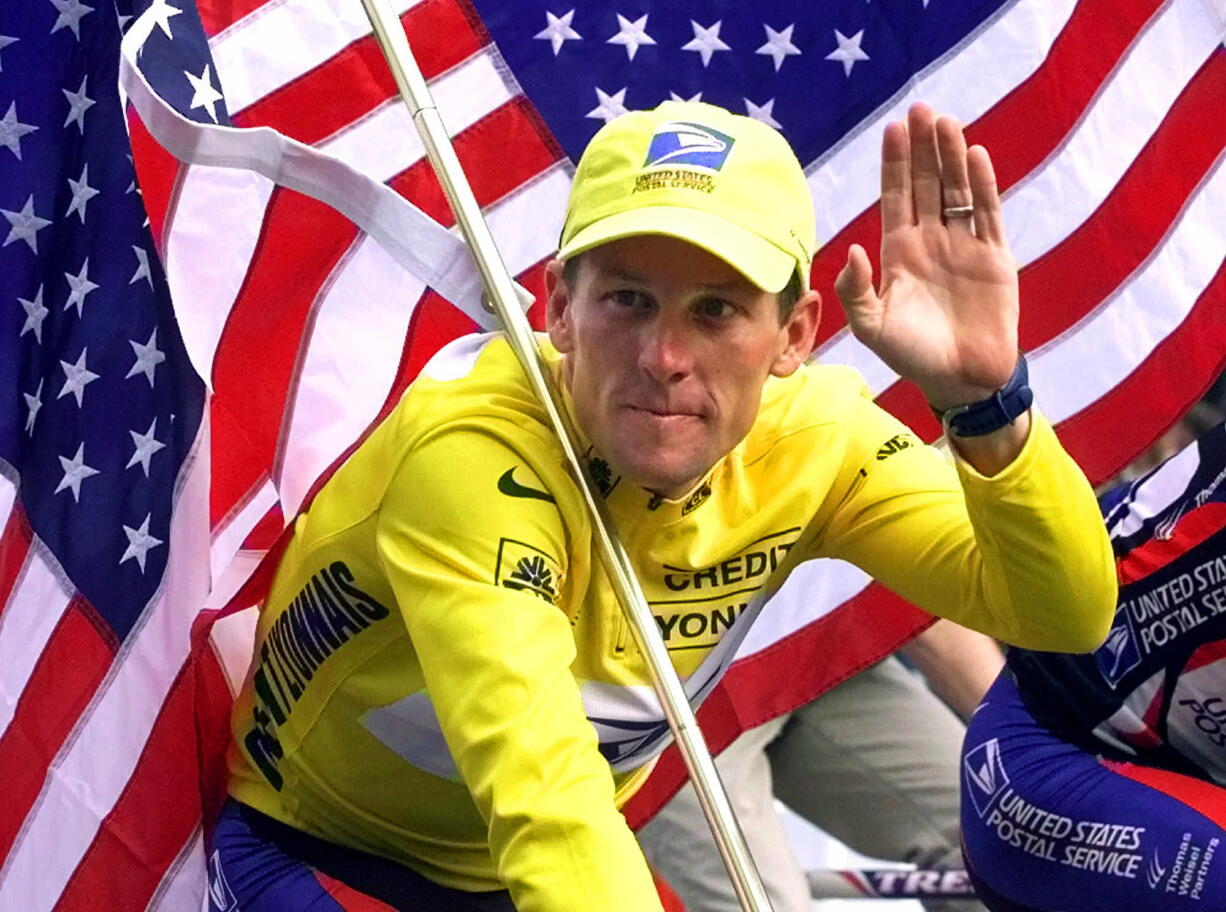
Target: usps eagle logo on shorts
(683, 143)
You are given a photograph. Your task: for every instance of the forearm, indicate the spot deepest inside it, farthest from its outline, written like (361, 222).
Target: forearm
(959, 664)
(991, 453)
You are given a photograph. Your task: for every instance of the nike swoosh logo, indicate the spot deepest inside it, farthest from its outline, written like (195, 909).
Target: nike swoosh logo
(512, 488)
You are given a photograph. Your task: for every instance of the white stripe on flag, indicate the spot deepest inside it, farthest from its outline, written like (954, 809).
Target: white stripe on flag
(540, 203)
(184, 886)
(813, 590)
(349, 364)
(39, 598)
(8, 497)
(306, 33)
(99, 756)
(211, 236)
(385, 142)
(1054, 199)
(230, 537)
(1105, 348)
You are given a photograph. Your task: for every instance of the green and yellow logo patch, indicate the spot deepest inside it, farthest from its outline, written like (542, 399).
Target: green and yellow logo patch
(524, 567)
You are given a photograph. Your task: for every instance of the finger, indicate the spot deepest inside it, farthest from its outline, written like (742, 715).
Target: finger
(955, 181)
(854, 284)
(896, 208)
(925, 163)
(989, 220)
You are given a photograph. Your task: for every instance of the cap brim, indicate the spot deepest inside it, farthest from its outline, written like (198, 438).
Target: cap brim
(760, 261)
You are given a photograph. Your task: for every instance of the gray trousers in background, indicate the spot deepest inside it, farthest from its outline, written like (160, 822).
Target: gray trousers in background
(874, 763)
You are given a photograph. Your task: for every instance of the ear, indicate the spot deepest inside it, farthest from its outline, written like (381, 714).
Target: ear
(798, 334)
(557, 308)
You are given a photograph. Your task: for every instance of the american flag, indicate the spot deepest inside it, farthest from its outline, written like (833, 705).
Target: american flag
(1104, 120)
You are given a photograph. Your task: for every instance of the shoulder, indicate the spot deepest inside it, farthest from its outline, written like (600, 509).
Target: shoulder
(830, 402)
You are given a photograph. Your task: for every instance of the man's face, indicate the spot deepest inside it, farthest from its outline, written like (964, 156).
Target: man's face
(666, 349)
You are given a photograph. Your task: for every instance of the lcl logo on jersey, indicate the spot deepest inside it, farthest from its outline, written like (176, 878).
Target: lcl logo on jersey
(1120, 653)
(985, 775)
(680, 143)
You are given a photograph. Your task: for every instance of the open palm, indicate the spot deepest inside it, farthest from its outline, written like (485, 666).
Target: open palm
(947, 310)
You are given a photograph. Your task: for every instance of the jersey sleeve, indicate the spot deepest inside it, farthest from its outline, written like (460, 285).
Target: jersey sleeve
(474, 543)
(1022, 556)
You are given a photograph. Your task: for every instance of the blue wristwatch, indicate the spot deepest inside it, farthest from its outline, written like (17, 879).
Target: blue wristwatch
(993, 413)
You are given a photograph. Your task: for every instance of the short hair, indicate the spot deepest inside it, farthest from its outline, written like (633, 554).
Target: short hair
(786, 298)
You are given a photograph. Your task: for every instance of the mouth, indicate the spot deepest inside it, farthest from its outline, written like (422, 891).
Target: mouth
(662, 414)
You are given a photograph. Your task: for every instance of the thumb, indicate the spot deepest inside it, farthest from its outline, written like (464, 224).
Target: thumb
(854, 284)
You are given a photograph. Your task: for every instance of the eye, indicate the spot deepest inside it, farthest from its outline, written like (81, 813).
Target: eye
(629, 298)
(715, 309)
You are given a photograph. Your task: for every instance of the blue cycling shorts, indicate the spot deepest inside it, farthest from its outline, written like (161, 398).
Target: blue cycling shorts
(258, 864)
(1048, 825)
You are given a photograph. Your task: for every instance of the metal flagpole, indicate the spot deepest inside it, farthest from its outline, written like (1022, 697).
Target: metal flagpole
(501, 291)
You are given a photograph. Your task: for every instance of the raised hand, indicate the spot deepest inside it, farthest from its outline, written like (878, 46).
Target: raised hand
(946, 313)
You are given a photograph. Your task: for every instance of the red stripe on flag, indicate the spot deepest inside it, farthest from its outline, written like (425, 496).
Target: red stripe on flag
(1140, 409)
(752, 692)
(160, 807)
(1057, 289)
(157, 174)
(1192, 529)
(441, 36)
(69, 670)
(1049, 103)
(300, 243)
(500, 153)
(216, 15)
(1202, 797)
(14, 551)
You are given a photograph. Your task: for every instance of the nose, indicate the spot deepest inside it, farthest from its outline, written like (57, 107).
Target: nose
(665, 353)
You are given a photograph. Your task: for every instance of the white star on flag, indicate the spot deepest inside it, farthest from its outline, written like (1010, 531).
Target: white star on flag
(78, 104)
(632, 35)
(148, 357)
(78, 377)
(71, 12)
(706, 41)
(558, 31)
(204, 95)
(778, 45)
(25, 225)
(142, 270)
(610, 105)
(146, 446)
(161, 12)
(82, 193)
(81, 286)
(675, 97)
(764, 113)
(848, 51)
(75, 471)
(35, 314)
(11, 130)
(5, 41)
(139, 543)
(33, 403)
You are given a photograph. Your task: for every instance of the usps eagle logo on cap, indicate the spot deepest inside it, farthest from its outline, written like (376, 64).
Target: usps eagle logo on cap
(683, 143)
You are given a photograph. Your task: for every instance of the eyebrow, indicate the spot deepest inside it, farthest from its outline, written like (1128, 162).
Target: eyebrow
(627, 275)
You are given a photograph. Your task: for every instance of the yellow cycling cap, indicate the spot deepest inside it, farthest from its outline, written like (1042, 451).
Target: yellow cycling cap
(724, 182)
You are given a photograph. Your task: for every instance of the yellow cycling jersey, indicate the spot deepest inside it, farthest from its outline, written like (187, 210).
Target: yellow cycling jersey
(443, 676)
